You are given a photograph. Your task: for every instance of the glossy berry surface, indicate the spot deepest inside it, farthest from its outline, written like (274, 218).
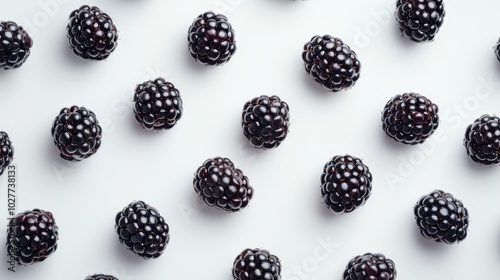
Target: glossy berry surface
(346, 184)
(442, 217)
(6, 151)
(220, 184)
(331, 63)
(265, 121)
(76, 133)
(370, 267)
(410, 118)
(420, 20)
(256, 264)
(211, 39)
(157, 104)
(496, 49)
(100, 277)
(142, 230)
(15, 45)
(91, 33)
(482, 140)
(32, 236)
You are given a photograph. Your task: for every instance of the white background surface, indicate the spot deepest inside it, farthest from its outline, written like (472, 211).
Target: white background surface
(458, 71)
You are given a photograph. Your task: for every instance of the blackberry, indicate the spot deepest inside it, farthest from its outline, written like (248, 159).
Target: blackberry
(142, 230)
(346, 184)
(496, 49)
(220, 184)
(100, 277)
(211, 39)
(265, 121)
(370, 266)
(77, 133)
(420, 20)
(410, 118)
(157, 104)
(442, 217)
(91, 32)
(6, 151)
(331, 62)
(482, 140)
(15, 46)
(32, 236)
(256, 264)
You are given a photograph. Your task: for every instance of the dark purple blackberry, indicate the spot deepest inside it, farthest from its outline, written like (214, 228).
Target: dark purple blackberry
(15, 45)
(91, 32)
(346, 184)
(331, 63)
(31, 236)
(370, 266)
(442, 217)
(100, 277)
(482, 140)
(496, 48)
(77, 133)
(265, 121)
(220, 184)
(410, 118)
(256, 264)
(157, 104)
(6, 151)
(211, 39)
(420, 20)
(142, 230)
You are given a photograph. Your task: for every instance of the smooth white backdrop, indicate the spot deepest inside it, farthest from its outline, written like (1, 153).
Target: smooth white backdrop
(458, 71)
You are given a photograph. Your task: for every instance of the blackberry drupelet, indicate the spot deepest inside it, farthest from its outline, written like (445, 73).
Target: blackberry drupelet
(91, 32)
(482, 140)
(157, 104)
(31, 236)
(346, 184)
(77, 133)
(6, 151)
(265, 121)
(256, 264)
(410, 118)
(100, 277)
(331, 62)
(211, 39)
(420, 20)
(370, 266)
(142, 230)
(220, 184)
(15, 46)
(442, 217)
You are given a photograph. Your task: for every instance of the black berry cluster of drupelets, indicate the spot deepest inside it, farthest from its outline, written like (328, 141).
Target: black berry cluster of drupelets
(346, 182)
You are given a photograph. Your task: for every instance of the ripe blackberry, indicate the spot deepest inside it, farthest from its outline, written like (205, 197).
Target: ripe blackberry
(100, 277)
(420, 20)
(211, 39)
(220, 184)
(482, 140)
(91, 32)
(370, 266)
(265, 121)
(157, 104)
(77, 133)
(6, 151)
(142, 230)
(496, 48)
(410, 118)
(442, 217)
(31, 236)
(258, 264)
(15, 45)
(331, 63)
(346, 184)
